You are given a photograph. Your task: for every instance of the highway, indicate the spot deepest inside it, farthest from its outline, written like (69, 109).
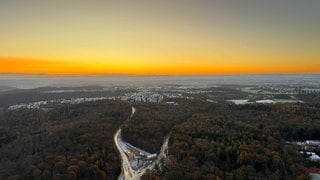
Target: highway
(124, 148)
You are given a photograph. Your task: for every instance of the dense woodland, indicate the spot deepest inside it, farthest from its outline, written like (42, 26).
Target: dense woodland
(207, 140)
(67, 142)
(227, 141)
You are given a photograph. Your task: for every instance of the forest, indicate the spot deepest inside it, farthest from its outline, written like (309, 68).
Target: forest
(227, 141)
(67, 142)
(208, 140)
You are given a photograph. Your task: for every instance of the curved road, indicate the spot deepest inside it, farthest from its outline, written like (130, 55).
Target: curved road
(127, 171)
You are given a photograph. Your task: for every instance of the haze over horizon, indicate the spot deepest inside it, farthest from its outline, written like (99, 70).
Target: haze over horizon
(159, 37)
(159, 89)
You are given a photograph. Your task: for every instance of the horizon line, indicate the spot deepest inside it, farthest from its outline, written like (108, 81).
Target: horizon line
(146, 75)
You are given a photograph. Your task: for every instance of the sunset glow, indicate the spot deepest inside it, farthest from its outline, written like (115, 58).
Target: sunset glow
(159, 37)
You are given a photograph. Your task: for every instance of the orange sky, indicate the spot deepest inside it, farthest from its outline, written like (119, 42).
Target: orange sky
(53, 67)
(159, 37)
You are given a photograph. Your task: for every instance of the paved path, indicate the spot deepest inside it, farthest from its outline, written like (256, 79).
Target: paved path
(127, 172)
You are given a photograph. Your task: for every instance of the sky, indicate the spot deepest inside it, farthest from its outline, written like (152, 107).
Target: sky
(152, 37)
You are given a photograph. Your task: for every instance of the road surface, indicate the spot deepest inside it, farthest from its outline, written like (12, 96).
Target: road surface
(125, 149)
